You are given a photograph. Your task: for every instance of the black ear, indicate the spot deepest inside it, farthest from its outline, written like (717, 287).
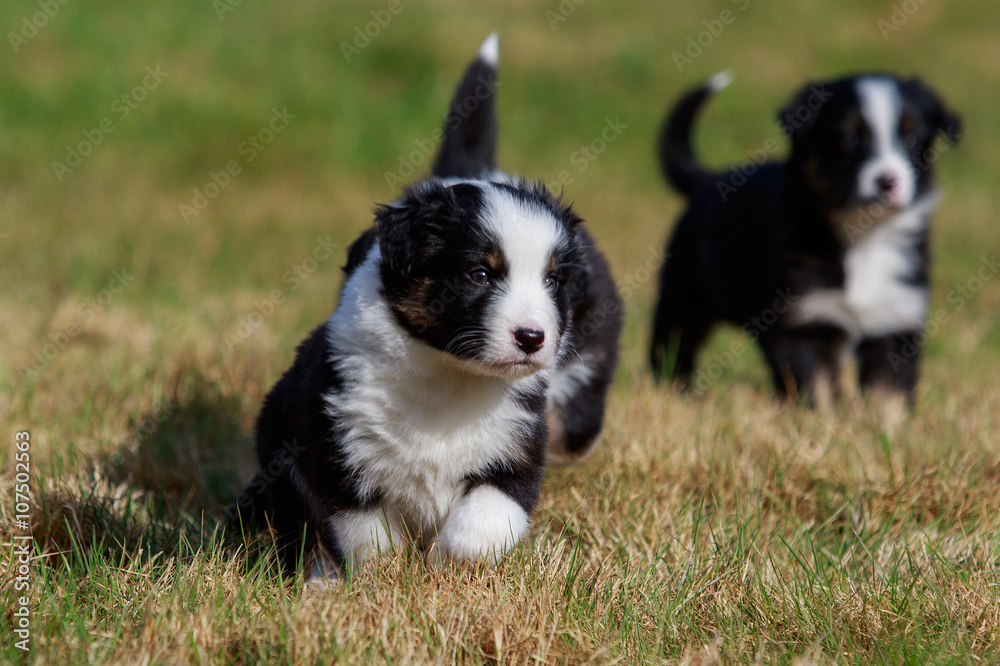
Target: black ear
(407, 235)
(359, 249)
(937, 114)
(799, 116)
(412, 230)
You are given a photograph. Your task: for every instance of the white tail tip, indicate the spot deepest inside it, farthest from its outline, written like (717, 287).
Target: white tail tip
(720, 80)
(489, 52)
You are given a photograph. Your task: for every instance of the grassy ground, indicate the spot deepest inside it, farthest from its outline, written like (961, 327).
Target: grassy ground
(724, 527)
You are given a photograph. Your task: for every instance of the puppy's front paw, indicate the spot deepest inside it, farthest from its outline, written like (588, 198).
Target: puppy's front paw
(482, 527)
(325, 575)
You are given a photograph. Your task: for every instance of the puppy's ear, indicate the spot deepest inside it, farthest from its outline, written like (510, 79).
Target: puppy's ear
(412, 231)
(937, 114)
(799, 116)
(407, 234)
(359, 249)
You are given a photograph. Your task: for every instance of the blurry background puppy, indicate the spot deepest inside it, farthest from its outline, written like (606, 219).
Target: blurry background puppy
(827, 252)
(420, 411)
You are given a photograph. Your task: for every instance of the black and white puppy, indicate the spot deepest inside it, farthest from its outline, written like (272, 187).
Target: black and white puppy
(817, 257)
(419, 412)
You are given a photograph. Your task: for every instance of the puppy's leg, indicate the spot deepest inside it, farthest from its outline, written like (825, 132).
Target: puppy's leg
(351, 538)
(576, 399)
(690, 338)
(363, 533)
(890, 363)
(675, 345)
(805, 362)
(484, 525)
(575, 424)
(670, 311)
(888, 371)
(286, 516)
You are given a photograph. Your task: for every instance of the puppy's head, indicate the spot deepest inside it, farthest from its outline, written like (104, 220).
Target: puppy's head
(866, 139)
(477, 270)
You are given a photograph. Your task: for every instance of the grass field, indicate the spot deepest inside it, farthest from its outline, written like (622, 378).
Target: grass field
(139, 338)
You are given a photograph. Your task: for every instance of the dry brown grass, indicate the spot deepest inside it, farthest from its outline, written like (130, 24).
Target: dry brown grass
(714, 529)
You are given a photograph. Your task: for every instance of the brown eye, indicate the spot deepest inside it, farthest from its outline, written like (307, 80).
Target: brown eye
(907, 130)
(480, 276)
(853, 134)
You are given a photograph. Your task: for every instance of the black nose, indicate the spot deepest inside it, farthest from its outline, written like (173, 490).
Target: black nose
(886, 182)
(529, 341)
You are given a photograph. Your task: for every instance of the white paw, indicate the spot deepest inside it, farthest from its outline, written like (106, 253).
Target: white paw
(363, 534)
(325, 575)
(484, 525)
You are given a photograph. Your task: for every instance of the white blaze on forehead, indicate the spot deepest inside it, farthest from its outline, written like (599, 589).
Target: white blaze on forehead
(528, 236)
(881, 106)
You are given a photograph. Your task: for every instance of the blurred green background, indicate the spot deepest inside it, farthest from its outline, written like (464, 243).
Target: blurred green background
(565, 70)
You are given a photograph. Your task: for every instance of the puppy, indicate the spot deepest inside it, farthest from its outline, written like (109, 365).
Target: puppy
(419, 413)
(817, 257)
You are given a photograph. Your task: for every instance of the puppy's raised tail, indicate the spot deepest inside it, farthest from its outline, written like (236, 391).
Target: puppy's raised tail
(682, 168)
(470, 129)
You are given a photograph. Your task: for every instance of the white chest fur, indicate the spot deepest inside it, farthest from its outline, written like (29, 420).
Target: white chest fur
(413, 441)
(412, 427)
(877, 297)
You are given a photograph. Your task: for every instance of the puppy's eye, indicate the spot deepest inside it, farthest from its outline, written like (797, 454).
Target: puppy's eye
(853, 133)
(552, 282)
(481, 277)
(908, 131)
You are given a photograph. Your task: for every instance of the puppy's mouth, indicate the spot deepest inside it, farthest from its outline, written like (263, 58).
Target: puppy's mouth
(504, 368)
(517, 368)
(882, 201)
